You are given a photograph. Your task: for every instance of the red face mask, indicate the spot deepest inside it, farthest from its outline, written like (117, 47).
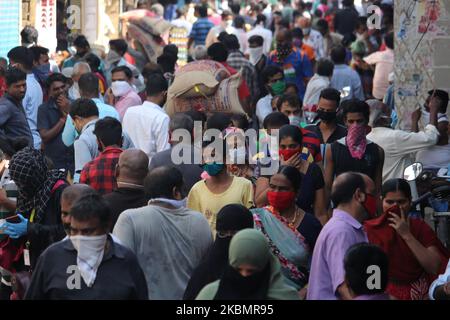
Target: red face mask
(280, 200)
(371, 206)
(288, 153)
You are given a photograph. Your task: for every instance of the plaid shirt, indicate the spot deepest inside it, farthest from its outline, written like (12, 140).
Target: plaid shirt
(237, 61)
(100, 172)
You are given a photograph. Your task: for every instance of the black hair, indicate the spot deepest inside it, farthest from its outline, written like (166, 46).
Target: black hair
(219, 121)
(241, 120)
(202, 11)
(93, 61)
(124, 69)
(235, 7)
(156, 83)
(54, 77)
(258, 40)
(171, 49)
(181, 121)
(389, 40)
(394, 185)
(14, 75)
(151, 68)
(81, 42)
(167, 62)
(357, 262)
(88, 83)
(275, 119)
(338, 54)
(348, 39)
(318, 13)
(10, 146)
(239, 22)
(355, 106)
(160, 182)
(120, 46)
(109, 131)
(260, 18)
(231, 42)
(291, 131)
(91, 206)
(84, 108)
(292, 85)
(36, 51)
(347, 3)
(332, 95)
(325, 67)
(291, 99)
(297, 33)
(293, 175)
(347, 188)
(322, 24)
(197, 116)
(225, 14)
(218, 52)
(270, 71)
(21, 55)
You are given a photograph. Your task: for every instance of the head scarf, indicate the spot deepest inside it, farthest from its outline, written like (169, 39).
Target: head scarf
(29, 170)
(356, 140)
(249, 246)
(232, 217)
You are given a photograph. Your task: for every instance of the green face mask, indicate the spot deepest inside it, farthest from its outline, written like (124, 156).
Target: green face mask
(278, 87)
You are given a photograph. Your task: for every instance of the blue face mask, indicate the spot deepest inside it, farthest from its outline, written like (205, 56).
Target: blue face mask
(213, 169)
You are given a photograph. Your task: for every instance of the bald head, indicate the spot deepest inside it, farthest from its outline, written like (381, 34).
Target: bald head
(303, 22)
(75, 192)
(133, 166)
(346, 184)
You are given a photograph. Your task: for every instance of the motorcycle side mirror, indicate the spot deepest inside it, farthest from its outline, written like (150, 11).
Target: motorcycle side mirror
(413, 171)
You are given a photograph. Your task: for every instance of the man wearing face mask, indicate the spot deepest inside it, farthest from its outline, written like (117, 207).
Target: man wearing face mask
(79, 69)
(148, 124)
(210, 195)
(226, 25)
(258, 59)
(260, 30)
(311, 37)
(41, 67)
(82, 46)
(399, 146)
(69, 197)
(272, 78)
(99, 173)
(353, 194)
(354, 152)
(296, 66)
(121, 94)
(52, 117)
(87, 264)
(180, 236)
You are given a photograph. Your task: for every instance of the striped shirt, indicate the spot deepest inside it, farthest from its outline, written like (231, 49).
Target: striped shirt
(200, 30)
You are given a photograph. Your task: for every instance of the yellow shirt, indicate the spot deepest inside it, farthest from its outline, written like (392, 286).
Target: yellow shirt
(201, 199)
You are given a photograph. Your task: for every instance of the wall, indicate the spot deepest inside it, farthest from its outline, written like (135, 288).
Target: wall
(422, 52)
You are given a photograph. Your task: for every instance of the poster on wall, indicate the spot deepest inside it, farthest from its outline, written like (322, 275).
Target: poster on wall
(46, 23)
(10, 25)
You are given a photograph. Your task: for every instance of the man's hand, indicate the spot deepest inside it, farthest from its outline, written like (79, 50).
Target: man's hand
(434, 105)
(63, 104)
(109, 97)
(3, 197)
(415, 116)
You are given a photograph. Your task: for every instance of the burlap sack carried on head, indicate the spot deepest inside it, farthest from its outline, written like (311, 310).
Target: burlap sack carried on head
(152, 48)
(197, 79)
(225, 100)
(155, 26)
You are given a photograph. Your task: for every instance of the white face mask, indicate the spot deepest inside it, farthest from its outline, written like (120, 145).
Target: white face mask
(90, 250)
(359, 37)
(255, 54)
(120, 88)
(295, 120)
(306, 31)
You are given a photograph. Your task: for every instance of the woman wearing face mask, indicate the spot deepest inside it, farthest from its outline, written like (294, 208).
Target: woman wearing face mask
(220, 188)
(253, 273)
(416, 255)
(354, 152)
(231, 219)
(291, 231)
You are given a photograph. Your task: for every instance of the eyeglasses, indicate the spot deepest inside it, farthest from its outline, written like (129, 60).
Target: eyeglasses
(225, 234)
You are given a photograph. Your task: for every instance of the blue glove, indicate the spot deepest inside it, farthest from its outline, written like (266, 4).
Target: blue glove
(16, 230)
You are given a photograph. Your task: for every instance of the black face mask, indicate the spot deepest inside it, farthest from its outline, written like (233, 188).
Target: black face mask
(326, 116)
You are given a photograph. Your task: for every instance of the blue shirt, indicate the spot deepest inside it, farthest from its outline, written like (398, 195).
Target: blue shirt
(296, 68)
(344, 76)
(104, 110)
(200, 30)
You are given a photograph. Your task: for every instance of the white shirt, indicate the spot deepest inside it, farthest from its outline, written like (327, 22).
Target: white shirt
(31, 102)
(263, 108)
(242, 38)
(315, 40)
(400, 146)
(148, 127)
(314, 88)
(441, 280)
(266, 34)
(181, 23)
(434, 157)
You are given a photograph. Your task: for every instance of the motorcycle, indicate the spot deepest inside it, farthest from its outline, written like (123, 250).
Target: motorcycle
(434, 192)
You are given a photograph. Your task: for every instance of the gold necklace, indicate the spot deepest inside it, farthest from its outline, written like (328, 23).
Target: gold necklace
(292, 222)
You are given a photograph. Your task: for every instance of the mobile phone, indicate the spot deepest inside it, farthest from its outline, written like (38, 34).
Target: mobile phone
(13, 219)
(395, 209)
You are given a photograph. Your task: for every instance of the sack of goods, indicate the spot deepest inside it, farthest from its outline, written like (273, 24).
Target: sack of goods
(204, 85)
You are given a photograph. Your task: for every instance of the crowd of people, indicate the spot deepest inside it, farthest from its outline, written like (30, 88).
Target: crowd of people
(95, 204)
